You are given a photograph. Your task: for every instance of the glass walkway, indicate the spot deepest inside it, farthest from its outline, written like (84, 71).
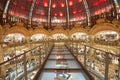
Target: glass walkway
(62, 65)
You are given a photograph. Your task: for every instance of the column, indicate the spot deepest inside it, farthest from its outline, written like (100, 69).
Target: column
(91, 40)
(72, 45)
(78, 49)
(25, 67)
(45, 48)
(2, 67)
(119, 68)
(40, 55)
(85, 56)
(107, 62)
(91, 43)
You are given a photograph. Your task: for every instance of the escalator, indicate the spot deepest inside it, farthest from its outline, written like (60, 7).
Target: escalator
(62, 65)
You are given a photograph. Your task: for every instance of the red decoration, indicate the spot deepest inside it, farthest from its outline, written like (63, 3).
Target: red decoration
(37, 2)
(55, 14)
(74, 12)
(80, 11)
(99, 2)
(37, 12)
(15, 3)
(22, 7)
(29, 0)
(42, 13)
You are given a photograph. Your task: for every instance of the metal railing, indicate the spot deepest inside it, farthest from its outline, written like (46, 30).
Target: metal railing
(23, 65)
(102, 63)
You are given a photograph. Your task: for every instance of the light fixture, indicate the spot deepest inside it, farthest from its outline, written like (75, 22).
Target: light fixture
(79, 0)
(54, 5)
(55, 14)
(70, 3)
(45, 4)
(62, 4)
(61, 14)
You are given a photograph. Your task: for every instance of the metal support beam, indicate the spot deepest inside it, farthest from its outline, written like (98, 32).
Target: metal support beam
(77, 50)
(49, 13)
(114, 10)
(16, 59)
(31, 13)
(72, 45)
(119, 68)
(25, 67)
(5, 11)
(2, 67)
(117, 8)
(67, 13)
(107, 62)
(40, 56)
(87, 12)
(85, 56)
(119, 3)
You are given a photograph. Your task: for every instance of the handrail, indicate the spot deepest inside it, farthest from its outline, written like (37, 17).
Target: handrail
(98, 49)
(47, 45)
(39, 71)
(85, 70)
(18, 56)
(102, 50)
(106, 54)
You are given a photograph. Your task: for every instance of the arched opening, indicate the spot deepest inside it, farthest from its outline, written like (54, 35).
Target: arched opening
(59, 36)
(38, 37)
(80, 36)
(107, 37)
(13, 38)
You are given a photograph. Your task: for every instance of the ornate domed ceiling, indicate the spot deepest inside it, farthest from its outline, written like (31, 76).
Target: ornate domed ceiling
(52, 12)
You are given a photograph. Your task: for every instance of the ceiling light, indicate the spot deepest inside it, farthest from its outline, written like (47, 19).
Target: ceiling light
(54, 6)
(55, 14)
(70, 3)
(62, 4)
(45, 4)
(79, 0)
(22, 7)
(61, 14)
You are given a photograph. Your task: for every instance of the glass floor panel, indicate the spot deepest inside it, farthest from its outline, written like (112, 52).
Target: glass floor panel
(60, 52)
(78, 75)
(68, 64)
(61, 56)
(60, 67)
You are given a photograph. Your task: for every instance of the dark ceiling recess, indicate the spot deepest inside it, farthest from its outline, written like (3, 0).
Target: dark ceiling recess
(58, 12)
(2, 6)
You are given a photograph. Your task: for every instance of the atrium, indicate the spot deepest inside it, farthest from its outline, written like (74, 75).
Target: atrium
(59, 39)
